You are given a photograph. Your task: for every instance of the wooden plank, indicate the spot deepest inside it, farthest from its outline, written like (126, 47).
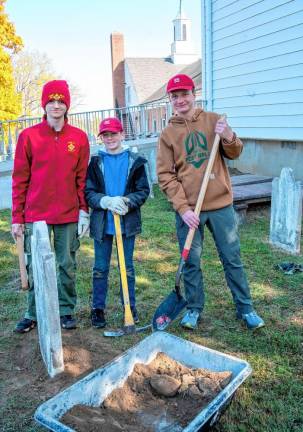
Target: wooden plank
(274, 133)
(242, 9)
(291, 58)
(274, 50)
(258, 43)
(269, 17)
(246, 78)
(273, 110)
(247, 179)
(282, 97)
(252, 192)
(270, 86)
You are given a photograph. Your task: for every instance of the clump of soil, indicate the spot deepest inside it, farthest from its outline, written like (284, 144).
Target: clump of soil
(162, 394)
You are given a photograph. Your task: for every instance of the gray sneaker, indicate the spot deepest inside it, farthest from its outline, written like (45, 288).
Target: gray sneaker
(191, 319)
(252, 320)
(68, 322)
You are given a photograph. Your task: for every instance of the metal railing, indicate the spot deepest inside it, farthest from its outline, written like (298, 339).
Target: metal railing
(141, 121)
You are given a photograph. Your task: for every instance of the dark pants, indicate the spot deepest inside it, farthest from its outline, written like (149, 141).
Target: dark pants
(222, 226)
(103, 253)
(66, 243)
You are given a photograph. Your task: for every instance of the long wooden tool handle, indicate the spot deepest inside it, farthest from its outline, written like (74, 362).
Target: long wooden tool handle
(23, 273)
(128, 317)
(202, 192)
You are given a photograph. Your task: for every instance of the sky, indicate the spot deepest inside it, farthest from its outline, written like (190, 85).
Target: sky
(75, 35)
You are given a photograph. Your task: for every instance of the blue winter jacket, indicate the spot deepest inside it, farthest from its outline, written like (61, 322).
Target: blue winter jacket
(137, 190)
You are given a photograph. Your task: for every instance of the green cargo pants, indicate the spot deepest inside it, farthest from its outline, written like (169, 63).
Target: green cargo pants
(66, 243)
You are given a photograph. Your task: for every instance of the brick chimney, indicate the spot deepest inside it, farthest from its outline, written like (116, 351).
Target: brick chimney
(117, 53)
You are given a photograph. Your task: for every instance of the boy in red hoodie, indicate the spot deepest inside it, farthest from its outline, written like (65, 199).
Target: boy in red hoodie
(48, 184)
(183, 153)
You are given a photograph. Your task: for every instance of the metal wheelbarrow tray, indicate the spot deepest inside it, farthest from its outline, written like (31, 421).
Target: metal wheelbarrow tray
(95, 387)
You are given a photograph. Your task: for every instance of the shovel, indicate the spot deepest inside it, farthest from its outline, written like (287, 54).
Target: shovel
(129, 324)
(174, 303)
(22, 266)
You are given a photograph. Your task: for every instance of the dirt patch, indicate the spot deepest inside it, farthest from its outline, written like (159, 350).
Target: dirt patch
(162, 394)
(23, 374)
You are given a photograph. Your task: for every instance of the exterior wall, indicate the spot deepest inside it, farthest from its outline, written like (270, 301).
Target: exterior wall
(131, 97)
(252, 65)
(269, 157)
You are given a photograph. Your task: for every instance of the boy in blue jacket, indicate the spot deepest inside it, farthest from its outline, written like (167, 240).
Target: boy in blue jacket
(116, 183)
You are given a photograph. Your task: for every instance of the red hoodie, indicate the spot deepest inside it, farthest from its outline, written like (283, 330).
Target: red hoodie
(49, 174)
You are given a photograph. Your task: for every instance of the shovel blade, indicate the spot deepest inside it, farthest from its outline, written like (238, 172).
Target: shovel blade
(114, 333)
(126, 330)
(168, 310)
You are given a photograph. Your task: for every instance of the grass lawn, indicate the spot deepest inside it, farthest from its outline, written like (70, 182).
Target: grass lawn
(270, 400)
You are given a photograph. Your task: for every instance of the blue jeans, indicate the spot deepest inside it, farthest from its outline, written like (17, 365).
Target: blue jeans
(221, 223)
(103, 253)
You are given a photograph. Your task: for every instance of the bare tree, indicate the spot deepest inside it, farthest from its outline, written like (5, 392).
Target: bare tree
(32, 70)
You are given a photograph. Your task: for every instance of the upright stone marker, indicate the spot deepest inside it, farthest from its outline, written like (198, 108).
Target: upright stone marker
(286, 212)
(46, 296)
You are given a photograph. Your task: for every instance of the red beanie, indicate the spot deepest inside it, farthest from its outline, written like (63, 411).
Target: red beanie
(55, 90)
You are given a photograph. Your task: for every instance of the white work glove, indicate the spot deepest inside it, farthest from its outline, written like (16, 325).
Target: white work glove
(114, 204)
(17, 230)
(83, 223)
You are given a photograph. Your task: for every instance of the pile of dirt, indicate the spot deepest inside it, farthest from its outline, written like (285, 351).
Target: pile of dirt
(23, 374)
(163, 393)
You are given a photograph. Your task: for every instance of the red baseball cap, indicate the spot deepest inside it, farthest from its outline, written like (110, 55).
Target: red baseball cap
(55, 90)
(110, 124)
(180, 82)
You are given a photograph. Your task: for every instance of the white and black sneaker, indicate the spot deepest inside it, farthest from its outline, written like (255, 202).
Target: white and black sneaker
(25, 325)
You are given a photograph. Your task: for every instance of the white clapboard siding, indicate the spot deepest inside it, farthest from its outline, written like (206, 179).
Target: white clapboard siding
(249, 78)
(289, 84)
(253, 65)
(264, 41)
(254, 15)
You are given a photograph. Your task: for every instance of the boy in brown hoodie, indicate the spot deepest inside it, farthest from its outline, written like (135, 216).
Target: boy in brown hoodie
(183, 152)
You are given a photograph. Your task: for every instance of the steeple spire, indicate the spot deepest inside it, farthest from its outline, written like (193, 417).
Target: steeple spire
(182, 50)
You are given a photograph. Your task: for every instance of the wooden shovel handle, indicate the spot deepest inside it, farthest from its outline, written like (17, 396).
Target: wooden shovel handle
(22, 267)
(202, 192)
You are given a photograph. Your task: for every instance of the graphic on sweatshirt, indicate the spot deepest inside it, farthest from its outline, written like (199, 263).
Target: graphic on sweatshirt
(196, 149)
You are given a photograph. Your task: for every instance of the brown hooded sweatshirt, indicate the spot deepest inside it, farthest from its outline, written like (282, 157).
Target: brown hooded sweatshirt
(183, 153)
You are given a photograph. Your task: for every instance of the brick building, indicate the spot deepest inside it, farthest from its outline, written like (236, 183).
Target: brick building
(139, 81)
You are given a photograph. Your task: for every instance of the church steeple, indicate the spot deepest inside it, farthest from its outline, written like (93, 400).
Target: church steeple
(182, 51)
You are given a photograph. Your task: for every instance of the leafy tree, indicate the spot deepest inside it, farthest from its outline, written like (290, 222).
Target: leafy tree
(10, 42)
(32, 70)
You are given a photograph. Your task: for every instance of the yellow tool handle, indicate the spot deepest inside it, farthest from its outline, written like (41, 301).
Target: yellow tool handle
(128, 317)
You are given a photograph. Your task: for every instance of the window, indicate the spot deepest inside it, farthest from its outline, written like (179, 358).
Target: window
(184, 32)
(127, 94)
